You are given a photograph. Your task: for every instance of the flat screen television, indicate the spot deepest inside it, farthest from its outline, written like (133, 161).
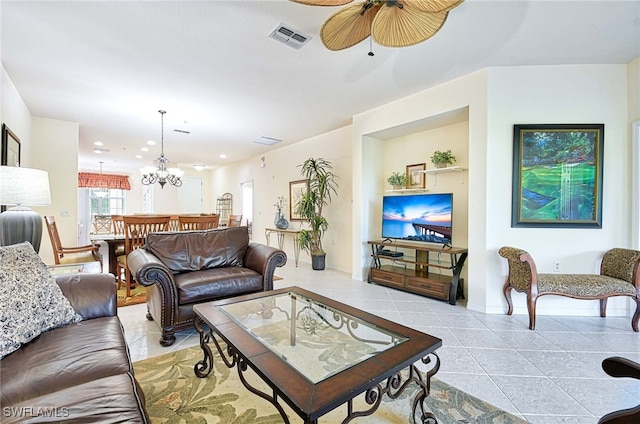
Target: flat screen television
(418, 217)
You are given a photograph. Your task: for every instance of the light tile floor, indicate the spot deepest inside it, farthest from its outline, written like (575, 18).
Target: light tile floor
(550, 375)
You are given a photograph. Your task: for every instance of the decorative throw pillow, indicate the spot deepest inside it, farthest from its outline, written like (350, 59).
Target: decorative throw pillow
(30, 300)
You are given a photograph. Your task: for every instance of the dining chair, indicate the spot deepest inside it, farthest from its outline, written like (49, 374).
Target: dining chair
(174, 224)
(234, 221)
(101, 224)
(136, 228)
(70, 255)
(204, 222)
(117, 229)
(117, 224)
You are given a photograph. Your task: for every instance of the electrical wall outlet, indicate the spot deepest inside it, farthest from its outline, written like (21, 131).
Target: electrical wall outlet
(556, 266)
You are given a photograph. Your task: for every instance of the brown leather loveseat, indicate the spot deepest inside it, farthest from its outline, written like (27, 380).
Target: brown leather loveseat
(81, 372)
(184, 268)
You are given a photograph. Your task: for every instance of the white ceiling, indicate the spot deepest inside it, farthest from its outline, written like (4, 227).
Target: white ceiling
(110, 66)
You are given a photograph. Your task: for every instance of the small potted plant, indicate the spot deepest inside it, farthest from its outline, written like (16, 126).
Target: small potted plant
(397, 180)
(442, 159)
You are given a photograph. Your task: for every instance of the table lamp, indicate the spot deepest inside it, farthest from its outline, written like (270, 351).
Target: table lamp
(22, 187)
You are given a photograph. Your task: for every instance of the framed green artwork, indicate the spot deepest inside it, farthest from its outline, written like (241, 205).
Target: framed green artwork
(557, 175)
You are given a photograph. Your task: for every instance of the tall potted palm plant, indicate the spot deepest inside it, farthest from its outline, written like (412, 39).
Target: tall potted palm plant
(322, 185)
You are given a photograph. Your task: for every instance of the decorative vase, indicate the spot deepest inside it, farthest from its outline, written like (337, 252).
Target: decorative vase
(282, 223)
(279, 221)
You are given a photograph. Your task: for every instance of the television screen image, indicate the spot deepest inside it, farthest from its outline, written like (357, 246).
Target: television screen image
(418, 217)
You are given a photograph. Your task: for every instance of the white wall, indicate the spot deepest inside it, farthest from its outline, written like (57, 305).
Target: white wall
(15, 114)
(497, 99)
(273, 181)
(53, 142)
(553, 95)
(462, 93)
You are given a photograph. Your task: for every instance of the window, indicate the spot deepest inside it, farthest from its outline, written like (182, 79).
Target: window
(106, 201)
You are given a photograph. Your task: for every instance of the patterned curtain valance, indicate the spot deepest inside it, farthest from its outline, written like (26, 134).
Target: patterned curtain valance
(94, 180)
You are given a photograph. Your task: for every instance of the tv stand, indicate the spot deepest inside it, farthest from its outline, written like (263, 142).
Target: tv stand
(412, 274)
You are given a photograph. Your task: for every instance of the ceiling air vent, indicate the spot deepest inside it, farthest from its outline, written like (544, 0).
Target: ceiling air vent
(289, 36)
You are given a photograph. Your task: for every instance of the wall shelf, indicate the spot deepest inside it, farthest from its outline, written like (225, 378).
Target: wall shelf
(404, 190)
(436, 171)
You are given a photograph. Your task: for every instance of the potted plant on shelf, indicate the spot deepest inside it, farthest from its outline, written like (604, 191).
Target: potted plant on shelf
(397, 180)
(442, 159)
(322, 185)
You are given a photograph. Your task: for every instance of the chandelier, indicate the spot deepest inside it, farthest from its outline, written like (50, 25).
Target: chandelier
(101, 190)
(161, 173)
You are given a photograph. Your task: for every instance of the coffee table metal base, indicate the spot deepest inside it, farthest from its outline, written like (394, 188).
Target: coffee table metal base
(393, 386)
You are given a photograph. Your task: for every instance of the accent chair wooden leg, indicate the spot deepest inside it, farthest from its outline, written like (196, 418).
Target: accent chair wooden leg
(531, 307)
(603, 307)
(507, 294)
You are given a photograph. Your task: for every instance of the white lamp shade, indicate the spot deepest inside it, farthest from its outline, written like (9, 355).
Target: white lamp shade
(24, 186)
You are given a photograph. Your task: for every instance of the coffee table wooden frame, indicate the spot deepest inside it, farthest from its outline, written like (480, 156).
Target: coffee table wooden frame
(375, 376)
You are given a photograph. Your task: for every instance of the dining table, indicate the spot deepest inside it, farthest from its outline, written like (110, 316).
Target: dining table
(113, 241)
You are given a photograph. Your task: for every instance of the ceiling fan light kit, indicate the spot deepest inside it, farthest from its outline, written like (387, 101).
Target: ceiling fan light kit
(390, 23)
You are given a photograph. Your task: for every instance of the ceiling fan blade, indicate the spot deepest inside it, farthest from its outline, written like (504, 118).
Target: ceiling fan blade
(323, 2)
(395, 27)
(433, 6)
(348, 26)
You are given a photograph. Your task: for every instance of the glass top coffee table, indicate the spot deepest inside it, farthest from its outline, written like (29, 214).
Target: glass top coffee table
(316, 353)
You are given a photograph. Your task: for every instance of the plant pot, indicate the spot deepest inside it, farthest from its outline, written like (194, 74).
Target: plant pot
(397, 187)
(317, 261)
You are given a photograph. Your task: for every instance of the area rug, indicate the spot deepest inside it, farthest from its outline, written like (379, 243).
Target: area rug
(175, 395)
(137, 295)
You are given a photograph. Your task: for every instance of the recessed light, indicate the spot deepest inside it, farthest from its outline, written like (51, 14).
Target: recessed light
(223, 156)
(98, 150)
(145, 149)
(138, 156)
(199, 167)
(151, 142)
(98, 143)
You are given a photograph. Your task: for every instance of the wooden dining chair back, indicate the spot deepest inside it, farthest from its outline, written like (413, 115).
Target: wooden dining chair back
(205, 222)
(101, 224)
(70, 255)
(117, 225)
(136, 228)
(234, 221)
(174, 223)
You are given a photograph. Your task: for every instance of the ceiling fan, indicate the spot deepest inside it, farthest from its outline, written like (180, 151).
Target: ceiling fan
(391, 23)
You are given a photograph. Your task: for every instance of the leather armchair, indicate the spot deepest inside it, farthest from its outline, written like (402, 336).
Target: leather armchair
(181, 269)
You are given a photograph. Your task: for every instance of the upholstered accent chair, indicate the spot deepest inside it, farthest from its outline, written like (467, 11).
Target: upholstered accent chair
(619, 276)
(70, 255)
(621, 367)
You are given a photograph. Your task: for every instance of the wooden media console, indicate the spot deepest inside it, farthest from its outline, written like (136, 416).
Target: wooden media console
(416, 274)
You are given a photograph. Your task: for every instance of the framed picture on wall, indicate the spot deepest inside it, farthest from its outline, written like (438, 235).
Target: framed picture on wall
(10, 154)
(416, 177)
(557, 175)
(296, 190)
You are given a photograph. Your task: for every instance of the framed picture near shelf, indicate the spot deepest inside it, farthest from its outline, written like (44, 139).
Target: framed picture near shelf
(415, 176)
(557, 176)
(296, 190)
(10, 154)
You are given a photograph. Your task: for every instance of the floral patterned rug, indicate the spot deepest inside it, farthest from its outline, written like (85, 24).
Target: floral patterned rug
(175, 395)
(137, 295)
